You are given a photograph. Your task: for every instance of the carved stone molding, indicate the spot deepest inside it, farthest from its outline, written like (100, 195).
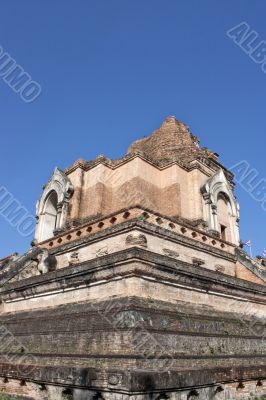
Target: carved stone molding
(136, 239)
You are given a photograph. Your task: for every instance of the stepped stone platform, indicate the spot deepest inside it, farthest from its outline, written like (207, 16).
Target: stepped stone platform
(136, 285)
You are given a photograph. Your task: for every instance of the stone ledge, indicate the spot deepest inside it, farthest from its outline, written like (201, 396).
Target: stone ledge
(162, 267)
(139, 217)
(136, 381)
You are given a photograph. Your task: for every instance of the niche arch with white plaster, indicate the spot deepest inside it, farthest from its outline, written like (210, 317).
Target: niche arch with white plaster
(221, 209)
(52, 207)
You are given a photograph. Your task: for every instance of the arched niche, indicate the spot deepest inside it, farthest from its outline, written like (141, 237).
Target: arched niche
(52, 207)
(221, 210)
(224, 212)
(49, 217)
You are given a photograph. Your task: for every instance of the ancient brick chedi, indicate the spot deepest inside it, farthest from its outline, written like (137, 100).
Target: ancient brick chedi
(136, 284)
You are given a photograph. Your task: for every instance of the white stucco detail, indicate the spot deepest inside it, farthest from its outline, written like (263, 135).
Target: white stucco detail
(52, 207)
(215, 187)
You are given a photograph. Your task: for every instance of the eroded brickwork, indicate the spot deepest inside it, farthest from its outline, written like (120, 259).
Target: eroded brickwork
(140, 290)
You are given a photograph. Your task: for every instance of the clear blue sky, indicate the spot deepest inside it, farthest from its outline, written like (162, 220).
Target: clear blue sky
(111, 71)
